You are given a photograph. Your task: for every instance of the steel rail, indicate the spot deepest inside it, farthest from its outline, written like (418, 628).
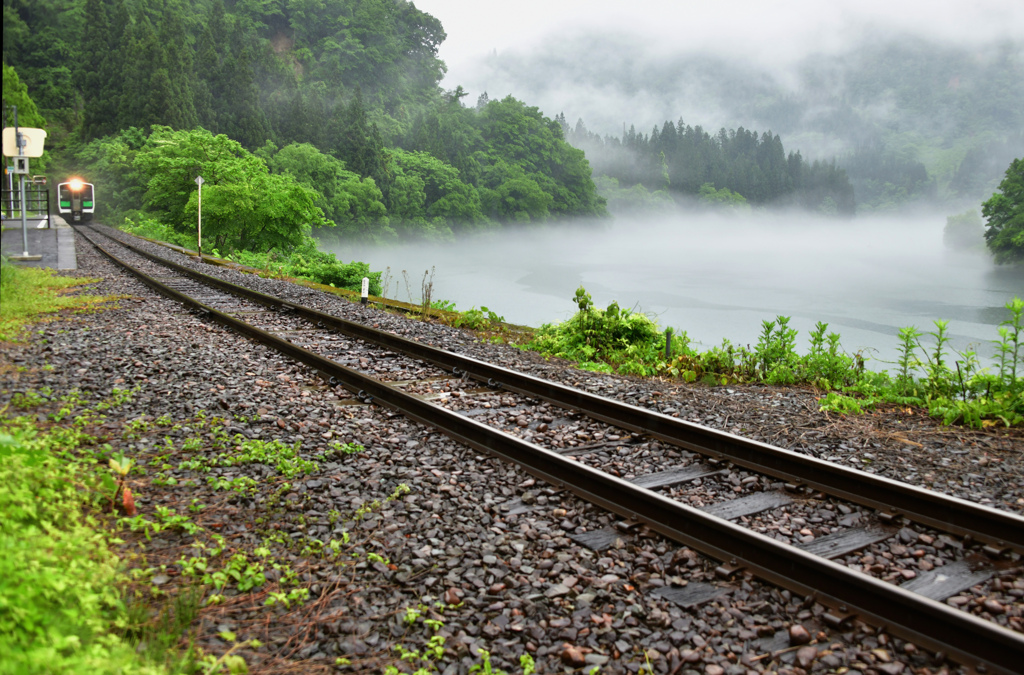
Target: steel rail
(1000, 529)
(973, 641)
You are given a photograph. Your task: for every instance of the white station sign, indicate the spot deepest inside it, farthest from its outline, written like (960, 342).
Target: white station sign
(33, 140)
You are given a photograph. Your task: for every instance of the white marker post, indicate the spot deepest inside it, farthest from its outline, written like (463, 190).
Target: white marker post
(366, 291)
(199, 182)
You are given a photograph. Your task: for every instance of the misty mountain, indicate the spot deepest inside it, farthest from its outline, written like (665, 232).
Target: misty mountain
(900, 113)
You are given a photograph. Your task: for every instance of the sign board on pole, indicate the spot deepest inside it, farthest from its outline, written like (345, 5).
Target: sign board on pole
(33, 140)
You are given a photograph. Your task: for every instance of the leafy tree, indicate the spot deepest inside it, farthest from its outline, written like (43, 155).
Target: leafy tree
(259, 212)
(41, 43)
(1005, 214)
(16, 93)
(244, 205)
(110, 162)
(430, 199)
(520, 135)
(353, 203)
(516, 196)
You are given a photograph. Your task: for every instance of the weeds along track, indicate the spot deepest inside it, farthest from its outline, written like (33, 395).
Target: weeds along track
(843, 536)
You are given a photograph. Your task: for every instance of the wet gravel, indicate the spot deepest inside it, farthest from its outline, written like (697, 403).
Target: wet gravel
(477, 545)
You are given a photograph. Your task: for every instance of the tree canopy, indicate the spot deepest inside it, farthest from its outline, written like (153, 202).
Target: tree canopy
(244, 205)
(1004, 212)
(16, 94)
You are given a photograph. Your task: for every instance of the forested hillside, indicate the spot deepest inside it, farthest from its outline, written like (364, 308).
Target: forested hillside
(909, 119)
(341, 97)
(730, 168)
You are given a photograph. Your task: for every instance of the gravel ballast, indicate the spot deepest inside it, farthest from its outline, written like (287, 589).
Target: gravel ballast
(415, 535)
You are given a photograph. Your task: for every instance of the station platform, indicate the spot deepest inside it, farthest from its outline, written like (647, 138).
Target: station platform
(55, 244)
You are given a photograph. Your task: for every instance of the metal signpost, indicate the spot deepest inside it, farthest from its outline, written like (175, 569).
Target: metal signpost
(20, 144)
(199, 182)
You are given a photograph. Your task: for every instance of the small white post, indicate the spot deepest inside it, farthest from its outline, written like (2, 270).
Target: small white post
(199, 182)
(366, 291)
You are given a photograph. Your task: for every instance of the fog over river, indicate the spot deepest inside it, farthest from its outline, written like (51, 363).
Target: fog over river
(718, 276)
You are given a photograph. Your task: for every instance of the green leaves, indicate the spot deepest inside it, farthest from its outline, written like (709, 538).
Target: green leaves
(429, 199)
(120, 465)
(351, 203)
(244, 205)
(16, 93)
(1005, 214)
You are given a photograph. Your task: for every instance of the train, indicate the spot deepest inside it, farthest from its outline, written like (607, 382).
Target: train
(76, 201)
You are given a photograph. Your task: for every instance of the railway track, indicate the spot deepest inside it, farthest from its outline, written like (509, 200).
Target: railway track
(444, 390)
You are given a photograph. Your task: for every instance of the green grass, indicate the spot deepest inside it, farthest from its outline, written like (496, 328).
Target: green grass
(30, 293)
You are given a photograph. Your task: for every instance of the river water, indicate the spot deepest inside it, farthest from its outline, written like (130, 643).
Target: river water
(718, 277)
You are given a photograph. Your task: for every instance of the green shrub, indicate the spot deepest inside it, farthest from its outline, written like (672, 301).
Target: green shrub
(317, 266)
(951, 385)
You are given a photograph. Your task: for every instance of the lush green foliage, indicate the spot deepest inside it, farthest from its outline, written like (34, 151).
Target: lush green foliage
(1005, 214)
(429, 199)
(16, 94)
(724, 197)
(245, 207)
(352, 203)
(952, 385)
(603, 339)
(58, 601)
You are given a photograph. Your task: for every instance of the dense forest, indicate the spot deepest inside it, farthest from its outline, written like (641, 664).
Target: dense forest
(731, 167)
(340, 97)
(909, 119)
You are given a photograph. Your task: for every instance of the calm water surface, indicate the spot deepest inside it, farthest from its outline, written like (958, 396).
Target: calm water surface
(718, 278)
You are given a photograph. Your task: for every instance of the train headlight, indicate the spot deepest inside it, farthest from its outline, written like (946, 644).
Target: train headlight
(76, 184)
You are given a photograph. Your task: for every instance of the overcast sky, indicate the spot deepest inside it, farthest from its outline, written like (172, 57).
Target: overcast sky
(765, 30)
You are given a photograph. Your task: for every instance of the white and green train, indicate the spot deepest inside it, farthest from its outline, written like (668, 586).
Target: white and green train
(76, 200)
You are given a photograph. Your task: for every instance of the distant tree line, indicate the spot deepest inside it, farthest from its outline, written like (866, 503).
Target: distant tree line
(687, 161)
